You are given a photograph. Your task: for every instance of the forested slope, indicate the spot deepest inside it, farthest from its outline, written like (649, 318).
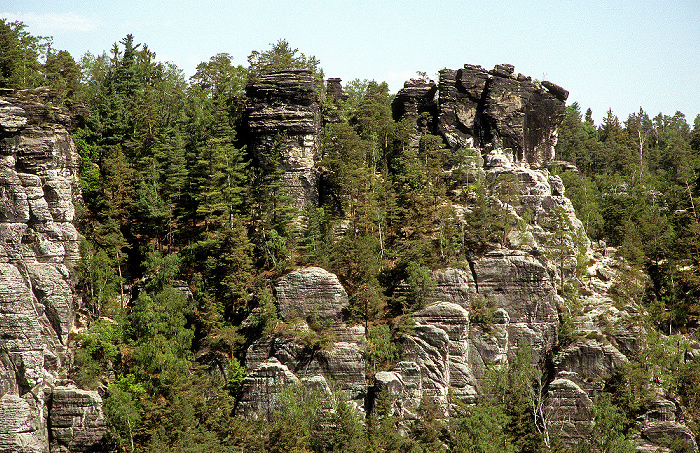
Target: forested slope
(208, 205)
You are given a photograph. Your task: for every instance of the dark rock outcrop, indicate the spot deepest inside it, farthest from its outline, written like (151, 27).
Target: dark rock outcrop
(334, 89)
(417, 97)
(498, 109)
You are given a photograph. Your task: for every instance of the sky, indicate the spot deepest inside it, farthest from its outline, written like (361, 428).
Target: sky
(619, 54)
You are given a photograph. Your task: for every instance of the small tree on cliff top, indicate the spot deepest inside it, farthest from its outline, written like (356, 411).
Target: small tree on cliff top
(281, 57)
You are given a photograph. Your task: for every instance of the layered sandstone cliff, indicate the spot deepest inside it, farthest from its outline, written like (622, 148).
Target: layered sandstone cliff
(511, 121)
(38, 250)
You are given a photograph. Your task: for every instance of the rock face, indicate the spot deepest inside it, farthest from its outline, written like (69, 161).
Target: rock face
(314, 295)
(489, 109)
(452, 354)
(334, 89)
(284, 122)
(76, 420)
(417, 97)
(38, 249)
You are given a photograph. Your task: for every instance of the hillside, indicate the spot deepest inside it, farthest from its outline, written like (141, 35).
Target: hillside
(263, 259)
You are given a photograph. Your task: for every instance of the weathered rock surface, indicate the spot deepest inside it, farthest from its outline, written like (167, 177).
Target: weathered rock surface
(76, 420)
(261, 389)
(314, 295)
(499, 109)
(334, 89)
(450, 353)
(568, 409)
(22, 428)
(590, 359)
(38, 249)
(284, 120)
(416, 98)
(311, 292)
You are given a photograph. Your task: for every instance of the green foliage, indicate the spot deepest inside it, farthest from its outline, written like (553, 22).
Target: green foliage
(312, 420)
(171, 193)
(382, 348)
(99, 346)
(609, 427)
(514, 394)
(280, 57)
(236, 374)
(480, 429)
(98, 277)
(21, 55)
(482, 312)
(427, 431)
(123, 408)
(420, 282)
(264, 317)
(162, 338)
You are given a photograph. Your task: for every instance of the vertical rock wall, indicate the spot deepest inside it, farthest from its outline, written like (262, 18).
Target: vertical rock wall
(38, 249)
(283, 117)
(484, 109)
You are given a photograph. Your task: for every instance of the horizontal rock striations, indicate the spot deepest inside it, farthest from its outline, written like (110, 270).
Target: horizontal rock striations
(38, 249)
(284, 126)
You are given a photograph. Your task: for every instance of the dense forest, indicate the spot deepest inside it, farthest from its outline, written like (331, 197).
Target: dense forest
(186, 232)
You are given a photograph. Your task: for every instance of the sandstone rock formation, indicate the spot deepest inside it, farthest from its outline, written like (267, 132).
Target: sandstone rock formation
(38, 249)
(306, 295)
(284, 121)
(484, 109)
(512, 121)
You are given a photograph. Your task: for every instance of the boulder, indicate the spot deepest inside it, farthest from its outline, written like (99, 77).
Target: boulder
(568, 410)
(311, 293)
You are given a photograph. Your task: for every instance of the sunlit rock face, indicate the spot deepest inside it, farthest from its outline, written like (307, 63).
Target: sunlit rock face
(284, 122)
(38, 250)
(307, 298)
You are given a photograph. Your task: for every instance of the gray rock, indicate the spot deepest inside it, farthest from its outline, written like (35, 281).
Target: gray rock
(261, 389)
(286, 104)
(590, 359)
(497, 109)
(415, 98)
(453, 285)
(76, 420)
(403, 386)
(568, 411)
(660, 433)
(21, 429)
(335, 90)
(38, 250)
(311, 292)
(12, 117)
(343, 365)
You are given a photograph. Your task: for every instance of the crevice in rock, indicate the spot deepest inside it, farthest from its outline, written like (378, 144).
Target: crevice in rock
(472, 268)
(481, 125)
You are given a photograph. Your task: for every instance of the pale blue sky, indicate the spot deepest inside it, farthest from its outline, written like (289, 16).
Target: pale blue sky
(609, 54)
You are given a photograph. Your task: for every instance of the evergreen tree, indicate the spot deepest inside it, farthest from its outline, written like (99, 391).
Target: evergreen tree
(280, 57)
(20, 56)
